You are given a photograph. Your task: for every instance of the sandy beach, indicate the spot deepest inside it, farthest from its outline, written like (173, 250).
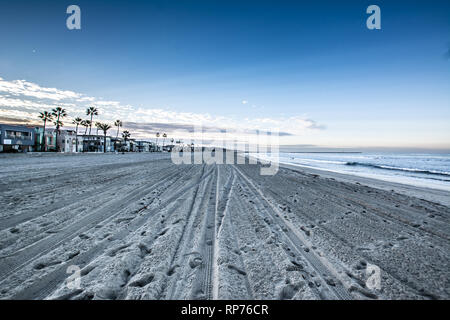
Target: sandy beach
(140, 227)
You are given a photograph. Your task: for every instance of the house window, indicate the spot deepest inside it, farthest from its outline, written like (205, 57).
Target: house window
(10, 134)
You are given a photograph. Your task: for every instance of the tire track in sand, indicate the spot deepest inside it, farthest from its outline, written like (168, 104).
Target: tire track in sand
(111, 208)
(395, 223)
(297, 243)
(45, 285)
(228, 214)
(203, 283)
(170, 286)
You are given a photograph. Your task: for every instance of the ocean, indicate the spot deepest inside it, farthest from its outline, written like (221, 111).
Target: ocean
(423, 170)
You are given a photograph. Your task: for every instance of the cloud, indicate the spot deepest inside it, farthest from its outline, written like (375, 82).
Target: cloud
(14, 120)
(174, 127)
(23, 100)
(29, 89)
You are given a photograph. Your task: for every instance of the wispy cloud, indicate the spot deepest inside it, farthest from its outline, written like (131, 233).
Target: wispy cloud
(29, 89)
(21, 101)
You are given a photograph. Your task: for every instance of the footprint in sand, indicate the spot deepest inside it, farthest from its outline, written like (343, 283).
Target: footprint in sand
(142, 281)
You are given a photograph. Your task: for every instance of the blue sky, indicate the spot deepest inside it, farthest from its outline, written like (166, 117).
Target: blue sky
(310, 66)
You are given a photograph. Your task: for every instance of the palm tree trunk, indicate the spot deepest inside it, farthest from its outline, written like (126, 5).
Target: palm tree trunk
(76, 139)
(90, 126)
(57, 133)
(43, 134)
(57, 144)
(104, 143)
(117, 137)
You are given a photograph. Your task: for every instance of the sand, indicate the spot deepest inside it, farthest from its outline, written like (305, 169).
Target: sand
(140, 227)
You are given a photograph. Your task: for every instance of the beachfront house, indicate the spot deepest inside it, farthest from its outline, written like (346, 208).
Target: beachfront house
(145, 146)
(45, 141)
(133, 146)
(67, 140)
(94, 143)
(116, 144)
(142, 146)
(39, 138)
(120, 145)
(168, 147)
(16, 138)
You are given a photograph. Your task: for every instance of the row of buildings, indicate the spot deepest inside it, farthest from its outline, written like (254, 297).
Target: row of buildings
(33, 139)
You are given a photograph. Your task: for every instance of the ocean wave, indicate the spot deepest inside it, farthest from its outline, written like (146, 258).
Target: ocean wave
(411, 170)
(317, 161)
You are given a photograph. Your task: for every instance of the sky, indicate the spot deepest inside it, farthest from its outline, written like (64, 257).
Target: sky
(310, 70)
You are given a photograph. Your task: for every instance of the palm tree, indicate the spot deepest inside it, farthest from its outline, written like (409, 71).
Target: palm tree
(59, 113)
(58, 124)
(118, 124)
(86, 124)
(96, 125)
(157, 136)
(77, 121)
(105, 127)
(91, 111)
(125, 136)
(45, 116)
(164, 136)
